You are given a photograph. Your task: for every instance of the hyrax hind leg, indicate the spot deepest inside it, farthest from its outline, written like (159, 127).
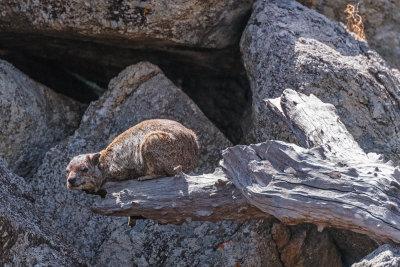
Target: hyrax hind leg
(161, 155)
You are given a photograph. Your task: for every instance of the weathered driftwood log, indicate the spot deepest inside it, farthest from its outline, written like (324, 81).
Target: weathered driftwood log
(207, 197)
(329, 182)
(332, 183)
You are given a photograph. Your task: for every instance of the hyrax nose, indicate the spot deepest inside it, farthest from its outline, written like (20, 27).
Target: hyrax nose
(72, 181)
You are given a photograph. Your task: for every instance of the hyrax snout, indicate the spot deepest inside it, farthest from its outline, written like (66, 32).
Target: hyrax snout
(83, 172)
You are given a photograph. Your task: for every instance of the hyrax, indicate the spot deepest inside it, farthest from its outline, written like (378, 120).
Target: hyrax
(150, 149)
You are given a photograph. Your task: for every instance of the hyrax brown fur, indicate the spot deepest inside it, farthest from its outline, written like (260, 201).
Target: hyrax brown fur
(150, 149)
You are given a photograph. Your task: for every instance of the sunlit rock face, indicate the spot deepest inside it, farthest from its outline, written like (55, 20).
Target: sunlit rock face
(287, 45)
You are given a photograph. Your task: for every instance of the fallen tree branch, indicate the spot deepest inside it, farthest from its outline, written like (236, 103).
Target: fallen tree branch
(299, 185)
(329, 182)
(207, 197)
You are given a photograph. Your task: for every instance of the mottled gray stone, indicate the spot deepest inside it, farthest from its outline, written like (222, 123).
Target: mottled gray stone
(213, 24)
(25, 241)
(140, 92)
(286, 45)
(33, 118)
(191, 244)
(381, 23)
(384, 256)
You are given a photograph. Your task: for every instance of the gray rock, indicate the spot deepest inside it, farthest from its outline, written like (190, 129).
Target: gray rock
(353, 246)
(381, 23)
(24, 241)
(33, 119)
(308, 247)
(191, 244)
(140, 92)
(209, 23)
(384, 256)
(286, 45)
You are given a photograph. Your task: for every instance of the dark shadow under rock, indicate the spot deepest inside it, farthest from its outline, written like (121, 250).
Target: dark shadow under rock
(303, 245)
(214, 79)
(352, 246)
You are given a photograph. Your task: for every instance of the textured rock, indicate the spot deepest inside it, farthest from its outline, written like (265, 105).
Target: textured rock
(353, 246)
(381, 23)
(308, 247)
(191, 244)
(33, 119)
(191, 23)
(24, 241)
(385, 256)
(286, 45)
(140, 92)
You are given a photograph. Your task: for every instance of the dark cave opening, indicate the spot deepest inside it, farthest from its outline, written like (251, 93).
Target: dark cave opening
(214, 79)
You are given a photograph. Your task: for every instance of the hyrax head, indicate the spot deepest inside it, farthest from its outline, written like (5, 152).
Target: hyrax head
(83, 173)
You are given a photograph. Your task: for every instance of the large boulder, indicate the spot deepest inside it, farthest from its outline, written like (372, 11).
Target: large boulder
(140, 92)
(33, 119)
(24, 240)
(213, 24)
(381, 20)
(286, 45)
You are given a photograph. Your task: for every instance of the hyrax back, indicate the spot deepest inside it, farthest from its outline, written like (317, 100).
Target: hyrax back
(150, 149)
(165, 154)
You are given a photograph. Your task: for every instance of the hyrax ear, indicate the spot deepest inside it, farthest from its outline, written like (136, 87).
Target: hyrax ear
(93, 158)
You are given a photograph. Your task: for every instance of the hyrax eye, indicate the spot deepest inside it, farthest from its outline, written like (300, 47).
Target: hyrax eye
(85, 170)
